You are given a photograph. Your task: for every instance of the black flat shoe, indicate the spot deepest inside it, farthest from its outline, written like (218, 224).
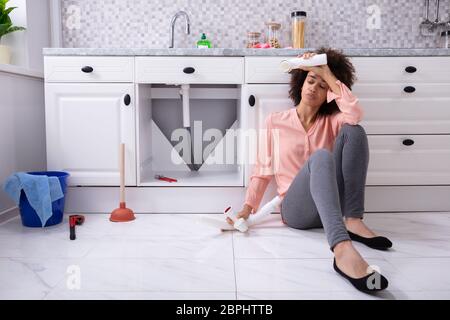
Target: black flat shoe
(379, 243)
(368, 283)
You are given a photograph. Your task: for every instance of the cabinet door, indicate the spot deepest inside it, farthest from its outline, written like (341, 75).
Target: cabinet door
(85, 124)
(409, 160)
(260, 101)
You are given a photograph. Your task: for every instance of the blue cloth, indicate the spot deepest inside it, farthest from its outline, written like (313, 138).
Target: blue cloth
(40, 190)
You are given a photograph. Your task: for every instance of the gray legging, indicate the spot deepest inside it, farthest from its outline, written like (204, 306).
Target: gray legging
(329, 186)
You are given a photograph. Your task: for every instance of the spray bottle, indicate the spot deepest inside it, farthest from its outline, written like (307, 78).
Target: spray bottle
(295, 63)
(242, 225)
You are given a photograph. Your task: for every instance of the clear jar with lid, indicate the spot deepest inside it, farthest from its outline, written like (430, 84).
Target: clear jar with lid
(445, 39)
(298, 19)
(253, 39)
(273, 34)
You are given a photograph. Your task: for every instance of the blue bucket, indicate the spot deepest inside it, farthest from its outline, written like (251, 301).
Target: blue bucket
(29, 215)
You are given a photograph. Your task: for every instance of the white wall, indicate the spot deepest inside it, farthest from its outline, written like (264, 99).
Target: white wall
(22, 128)
(38, 31)
(22, 109)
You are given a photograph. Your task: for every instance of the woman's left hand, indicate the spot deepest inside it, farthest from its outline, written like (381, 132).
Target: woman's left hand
(321, 71)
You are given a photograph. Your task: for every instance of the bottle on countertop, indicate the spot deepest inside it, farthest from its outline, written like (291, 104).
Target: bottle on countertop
(272, 34)
(203, 42)
(298, 28)
(253, 39)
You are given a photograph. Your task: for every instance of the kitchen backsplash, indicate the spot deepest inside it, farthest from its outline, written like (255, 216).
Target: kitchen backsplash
(336, 23)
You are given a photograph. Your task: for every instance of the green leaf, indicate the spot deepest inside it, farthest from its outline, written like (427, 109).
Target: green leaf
(3, 28)
(7, 11)
(5, 21)
(8, 28)
(3, 4)
(14, 29)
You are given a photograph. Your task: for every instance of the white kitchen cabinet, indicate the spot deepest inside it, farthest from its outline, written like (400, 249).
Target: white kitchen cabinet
(402, 69)
(388, 109)
(85, 124)
(406, 117)
(213, 114)
(89, 69)
(395, 159)
(409, 160)
(215, 117)
(265, 70)
(177, 70)
(260, 101)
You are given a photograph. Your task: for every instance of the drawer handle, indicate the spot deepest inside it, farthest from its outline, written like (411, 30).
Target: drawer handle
(408, 142)
(251, 100)
(188, 70)
(87, 69)
(410, 69)
(409, 89)
(127, 100)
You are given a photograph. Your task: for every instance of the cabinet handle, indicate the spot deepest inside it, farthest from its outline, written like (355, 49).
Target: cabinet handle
(410, 69)
(252, 101)
(127, 100)
(188, 70)
(87, 69)
(409, 89)
(408, 142)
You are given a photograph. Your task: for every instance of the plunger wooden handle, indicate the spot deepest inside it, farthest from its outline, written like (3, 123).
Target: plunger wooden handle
(122, 172)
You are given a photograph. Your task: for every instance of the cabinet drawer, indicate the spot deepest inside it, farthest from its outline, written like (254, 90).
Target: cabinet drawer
(409, 160)
(394, 69)
(388, 109)
(402, 91)
(415, 116)
(177, 70)
(368, 69)
(96, 69)
(265, 70)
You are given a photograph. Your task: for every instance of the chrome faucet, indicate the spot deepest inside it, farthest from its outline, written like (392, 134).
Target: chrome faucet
(172, 25)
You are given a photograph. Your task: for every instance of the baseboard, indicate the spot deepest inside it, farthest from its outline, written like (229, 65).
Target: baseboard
(9, 214)
(215, 200)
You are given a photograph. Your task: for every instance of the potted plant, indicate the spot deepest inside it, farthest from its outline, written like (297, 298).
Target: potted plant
(5, 28)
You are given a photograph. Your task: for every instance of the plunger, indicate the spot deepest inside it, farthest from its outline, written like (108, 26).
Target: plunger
(122, 214)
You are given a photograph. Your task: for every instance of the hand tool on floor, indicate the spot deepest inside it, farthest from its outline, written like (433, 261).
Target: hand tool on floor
(164, 178)
(122, 214)
(75, 220)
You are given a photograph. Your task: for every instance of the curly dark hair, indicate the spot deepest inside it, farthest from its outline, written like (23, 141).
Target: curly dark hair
(341, 67)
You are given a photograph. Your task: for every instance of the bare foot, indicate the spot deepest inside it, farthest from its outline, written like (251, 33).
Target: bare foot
(357, 226)
(349, 260)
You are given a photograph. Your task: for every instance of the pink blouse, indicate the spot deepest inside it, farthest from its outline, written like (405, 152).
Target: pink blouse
(288, 146)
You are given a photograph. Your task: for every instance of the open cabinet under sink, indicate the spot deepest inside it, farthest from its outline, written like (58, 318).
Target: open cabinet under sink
(205, 152)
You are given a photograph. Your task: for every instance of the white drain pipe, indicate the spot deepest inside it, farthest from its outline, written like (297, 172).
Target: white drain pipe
(186, 112)
(187, 122)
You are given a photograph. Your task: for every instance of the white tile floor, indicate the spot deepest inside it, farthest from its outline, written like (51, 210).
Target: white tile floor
(180, 257)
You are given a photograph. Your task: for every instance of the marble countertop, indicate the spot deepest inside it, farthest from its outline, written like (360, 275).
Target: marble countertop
(230, 52)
